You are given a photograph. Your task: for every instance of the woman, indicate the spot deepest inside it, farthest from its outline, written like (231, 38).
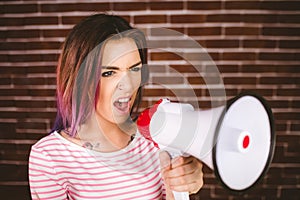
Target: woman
(94, 150)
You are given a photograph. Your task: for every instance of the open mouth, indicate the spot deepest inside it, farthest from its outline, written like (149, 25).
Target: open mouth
(123, 104)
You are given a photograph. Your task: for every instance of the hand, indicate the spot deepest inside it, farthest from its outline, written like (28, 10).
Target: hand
(181, 174)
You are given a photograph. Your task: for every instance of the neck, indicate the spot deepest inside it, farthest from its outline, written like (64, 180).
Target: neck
(105, 135)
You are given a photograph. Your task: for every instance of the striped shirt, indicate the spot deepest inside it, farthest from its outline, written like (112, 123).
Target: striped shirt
(60, 169)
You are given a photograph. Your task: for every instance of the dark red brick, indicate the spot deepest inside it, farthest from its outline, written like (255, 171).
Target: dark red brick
(283, 56)
(14, 92)
(185, 68)
(33, 33)
(142, 19)
(34, 104)
(295, 127)
(201, 31)
(248, 5)
(201, 57)
(55, 33)
(174, 32)
(129, 6)
(279, 81)
(259, 18)
(16, 8)
(157, 68)
(262, 92)
(287, 116)
(276, 68)
(224, 18)
(33, 81)
(279, 104)
(17, 21)
(13, 172)
(290, 193)
(240, 80)
(288, 92)
(221, 92)
(32, 57)
(30, 125)
(8, 127)
(295, 104)
(188, 18)
(72, 19)
(280, 5)
(42, 92)
(281, 31)
(41, 115)
(280, 127)
(204, 5)
(176, 5)
(164, 56)
(204, 80)
(259, 43)
(239, 56)
(29, 45)
(223, 68)
(289, 44)
(222, 43)
(69, 7)
(5, 103)
(5, 81)
(242, 30)
(288, 18)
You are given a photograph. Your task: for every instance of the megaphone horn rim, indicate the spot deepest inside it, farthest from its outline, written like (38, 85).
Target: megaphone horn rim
(272, 139)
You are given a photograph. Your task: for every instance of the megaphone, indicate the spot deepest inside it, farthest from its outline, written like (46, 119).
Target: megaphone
(237, 140)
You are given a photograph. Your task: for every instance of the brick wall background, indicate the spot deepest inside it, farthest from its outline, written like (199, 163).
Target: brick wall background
(255, 45)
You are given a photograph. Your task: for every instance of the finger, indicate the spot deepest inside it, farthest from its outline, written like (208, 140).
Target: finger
(169, 193)
(181, 170)
(195, 177)
(181, 160)
(165, 160)
(192, 188)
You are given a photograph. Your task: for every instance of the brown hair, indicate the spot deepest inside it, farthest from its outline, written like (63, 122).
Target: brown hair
(79, 67)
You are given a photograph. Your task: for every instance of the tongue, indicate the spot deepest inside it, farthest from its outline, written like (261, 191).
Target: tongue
(121, 106)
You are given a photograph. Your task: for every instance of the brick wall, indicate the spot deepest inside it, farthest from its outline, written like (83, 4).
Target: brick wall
(255, 45)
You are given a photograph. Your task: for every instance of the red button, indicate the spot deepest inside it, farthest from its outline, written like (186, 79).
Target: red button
(246, 142)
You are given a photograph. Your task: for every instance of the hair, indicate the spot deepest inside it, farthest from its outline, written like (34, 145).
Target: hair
(79, 68)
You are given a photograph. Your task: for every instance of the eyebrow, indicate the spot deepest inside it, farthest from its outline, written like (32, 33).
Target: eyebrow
(117, 68)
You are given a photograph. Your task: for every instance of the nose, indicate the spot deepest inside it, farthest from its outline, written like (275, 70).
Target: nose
(126, 83)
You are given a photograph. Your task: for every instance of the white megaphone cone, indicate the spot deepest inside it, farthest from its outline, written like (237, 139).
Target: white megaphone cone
(237, 141)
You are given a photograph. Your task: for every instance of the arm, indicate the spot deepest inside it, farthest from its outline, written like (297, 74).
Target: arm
(43, 180)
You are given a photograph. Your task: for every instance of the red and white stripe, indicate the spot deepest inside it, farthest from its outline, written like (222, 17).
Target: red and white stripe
(60, 169)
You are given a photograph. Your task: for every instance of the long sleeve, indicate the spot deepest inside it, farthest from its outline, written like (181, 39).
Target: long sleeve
(43, 180)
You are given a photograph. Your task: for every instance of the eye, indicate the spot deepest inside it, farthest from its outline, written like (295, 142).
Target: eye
(136, 69)
(108, 73)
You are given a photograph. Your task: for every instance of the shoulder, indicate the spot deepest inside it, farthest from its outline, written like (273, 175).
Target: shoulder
(146, 141)
(145, 146)
(51, 148)
(50, 145)
(46, 142)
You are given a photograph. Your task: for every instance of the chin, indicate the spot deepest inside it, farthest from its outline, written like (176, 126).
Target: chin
(120, 119)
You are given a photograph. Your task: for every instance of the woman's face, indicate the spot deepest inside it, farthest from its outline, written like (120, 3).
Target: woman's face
(120, 80)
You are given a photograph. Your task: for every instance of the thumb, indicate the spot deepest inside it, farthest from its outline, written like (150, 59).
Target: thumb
(165, 160)
(165, 164)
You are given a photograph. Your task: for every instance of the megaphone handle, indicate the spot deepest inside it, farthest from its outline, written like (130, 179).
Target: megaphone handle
(181, 195)
(178, 195)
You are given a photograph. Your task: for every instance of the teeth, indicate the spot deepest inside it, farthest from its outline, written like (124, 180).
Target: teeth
(123, 100)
